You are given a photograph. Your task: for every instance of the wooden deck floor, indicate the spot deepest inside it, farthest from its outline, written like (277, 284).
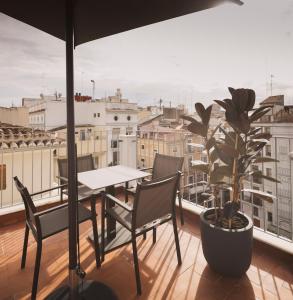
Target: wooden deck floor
(269, 277)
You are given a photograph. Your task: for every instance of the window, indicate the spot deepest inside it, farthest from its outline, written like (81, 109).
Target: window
(255, 211)
(254, 177)
(96, 158)
(95, 115)
(2, 177)
(267, 129)
(190, 179)
(98, 115)
(142, 162)
(270, 216)
(82, 135)
(114, 144)
(268, 150)
(128, 118)
(142, 147)
(269, 172)
(129, 130)
(115, 158)
(115, 118)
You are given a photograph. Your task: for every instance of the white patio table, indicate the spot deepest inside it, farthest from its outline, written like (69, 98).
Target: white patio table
(107, 178)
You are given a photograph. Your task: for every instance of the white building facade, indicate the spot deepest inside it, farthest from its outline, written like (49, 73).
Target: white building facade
(115, 115)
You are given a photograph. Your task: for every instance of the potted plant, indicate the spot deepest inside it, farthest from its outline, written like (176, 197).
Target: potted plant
(227, 233)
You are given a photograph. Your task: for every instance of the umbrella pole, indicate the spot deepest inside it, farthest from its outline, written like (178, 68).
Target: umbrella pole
(71, 152)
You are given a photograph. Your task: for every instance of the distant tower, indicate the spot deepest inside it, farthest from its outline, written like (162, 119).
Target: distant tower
(119, 94)
(160, 101)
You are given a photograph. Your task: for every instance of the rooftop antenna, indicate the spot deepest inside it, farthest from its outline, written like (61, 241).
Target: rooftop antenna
(94, 86)
(160, 101)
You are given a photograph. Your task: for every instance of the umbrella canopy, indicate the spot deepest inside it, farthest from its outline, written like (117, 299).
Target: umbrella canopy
(94, 19)
(80, 21)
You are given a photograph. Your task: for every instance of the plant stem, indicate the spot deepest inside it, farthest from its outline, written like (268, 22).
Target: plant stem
(235, 171)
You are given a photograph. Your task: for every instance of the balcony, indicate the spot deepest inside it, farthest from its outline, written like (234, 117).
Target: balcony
(269, 277)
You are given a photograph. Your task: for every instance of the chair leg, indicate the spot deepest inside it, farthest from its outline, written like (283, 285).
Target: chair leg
(24, 250)
(95, 233)
(126, 191)
(180, 208)
(176, 240)
(103, 229)
(37, 270)
(154, 235)
(136, 267)
(144, 235)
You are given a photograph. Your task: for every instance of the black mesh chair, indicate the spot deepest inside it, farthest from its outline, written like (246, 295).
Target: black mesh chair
(84, 163)
(154, 204)
(164, 165)
(48, 222)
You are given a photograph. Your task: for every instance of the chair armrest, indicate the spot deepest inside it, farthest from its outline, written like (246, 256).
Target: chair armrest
(46, 211)
(146, 169)
(62, 178)
(118, 202)
(48, 190)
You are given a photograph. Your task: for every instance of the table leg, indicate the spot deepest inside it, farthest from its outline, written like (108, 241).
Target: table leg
(110, 222)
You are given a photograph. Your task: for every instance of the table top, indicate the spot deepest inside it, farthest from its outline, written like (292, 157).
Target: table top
(104, 177)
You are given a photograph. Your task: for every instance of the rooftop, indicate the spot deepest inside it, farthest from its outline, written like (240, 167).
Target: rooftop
(270, 275)
(273, 100)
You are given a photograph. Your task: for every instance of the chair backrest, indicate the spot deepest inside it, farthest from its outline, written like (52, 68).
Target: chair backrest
(165, 165)
(84, 163)
(30, 208)
(154, 200)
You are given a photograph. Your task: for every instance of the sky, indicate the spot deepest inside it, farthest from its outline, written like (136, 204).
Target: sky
(184, 60)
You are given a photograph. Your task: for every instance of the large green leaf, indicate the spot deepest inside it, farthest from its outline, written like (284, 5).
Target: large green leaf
(238, 121)
(262, 135)
(188, 118)
(214, 156)
(258, 114)
(198, 128)
(222, 104)
(258, 174)
(207, 115)
(243, 99)
(227, 159)
(254, 131)
(262, 159)
(227, 149)
(256, 145)
(219, 173)
(200, 110)
(210, 143)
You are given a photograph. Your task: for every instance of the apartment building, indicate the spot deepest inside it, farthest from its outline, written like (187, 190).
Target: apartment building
(14, 115)
(166, 134)
(276, 216)
(113, 114)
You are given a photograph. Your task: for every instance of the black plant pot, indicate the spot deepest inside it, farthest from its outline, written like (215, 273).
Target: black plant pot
(228, 252)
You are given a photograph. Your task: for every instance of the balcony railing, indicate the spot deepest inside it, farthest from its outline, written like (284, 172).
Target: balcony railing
(37, 168)
(34, 161)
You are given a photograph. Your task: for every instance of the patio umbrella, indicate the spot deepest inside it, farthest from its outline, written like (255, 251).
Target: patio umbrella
(81, 21)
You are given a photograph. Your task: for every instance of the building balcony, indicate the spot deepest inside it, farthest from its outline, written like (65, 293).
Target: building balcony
(270, 275)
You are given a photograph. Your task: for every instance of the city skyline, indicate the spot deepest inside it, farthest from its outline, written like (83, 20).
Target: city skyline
(188, 59)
